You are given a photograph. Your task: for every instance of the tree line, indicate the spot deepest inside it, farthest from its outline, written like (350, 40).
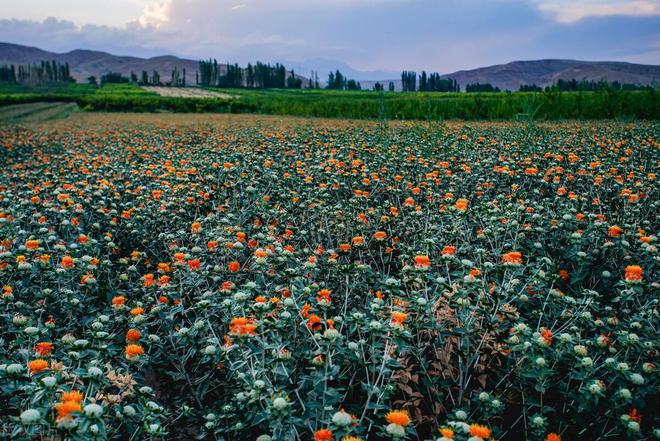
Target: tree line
(177, 78)
(591, 85)
(411, 82)
(337, 81)
(257, 76)
(431, 82)
(265, 76)
(583, 86)
(37, 73)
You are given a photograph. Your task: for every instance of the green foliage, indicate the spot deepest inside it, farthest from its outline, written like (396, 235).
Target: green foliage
(114, 78)
(356, 104)
(467, 106)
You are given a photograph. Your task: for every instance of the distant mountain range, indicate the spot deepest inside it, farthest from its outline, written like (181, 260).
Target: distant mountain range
(510, 76)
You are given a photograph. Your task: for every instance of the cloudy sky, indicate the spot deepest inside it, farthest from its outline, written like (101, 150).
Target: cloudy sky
(442, 35)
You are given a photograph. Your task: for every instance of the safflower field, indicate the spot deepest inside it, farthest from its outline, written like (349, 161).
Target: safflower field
(265, 278)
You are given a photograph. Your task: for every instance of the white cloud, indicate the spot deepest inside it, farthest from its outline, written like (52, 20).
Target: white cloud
(155, 14)
(568, 11)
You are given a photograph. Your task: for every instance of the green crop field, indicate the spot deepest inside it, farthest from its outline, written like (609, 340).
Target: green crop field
(356, 104)
(467, 106)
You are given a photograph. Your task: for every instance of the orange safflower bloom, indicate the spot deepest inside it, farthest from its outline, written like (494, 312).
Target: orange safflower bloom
(422, 261)
(635, 416)
(118, 300)
(399, 417)
(479, 431)
(260, 254)
(344, 247)
(37, 365)
(614, 231)
(242, 326)
(314, 322)
(399, 317)
(448, 250)
(357, 240)
(194, 264)
(67, 262)
(65, 408)
(133, 351)
(43, 348)
(546, 334)
(195, 227)
(137, 311)
(512, 258)
(461, 204)
(380, 235)
(634, 273)
(552, 437)
(32, 244)
(324, 295)
(133, 335)
(323, 435)
(148, 280)
(234, 266)
(446, 432)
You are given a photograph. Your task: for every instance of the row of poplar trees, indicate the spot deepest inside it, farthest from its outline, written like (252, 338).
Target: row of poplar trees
(257, 76)
(44, 72)
(427, 82)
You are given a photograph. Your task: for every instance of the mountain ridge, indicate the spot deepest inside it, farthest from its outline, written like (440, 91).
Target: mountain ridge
(545, 72)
